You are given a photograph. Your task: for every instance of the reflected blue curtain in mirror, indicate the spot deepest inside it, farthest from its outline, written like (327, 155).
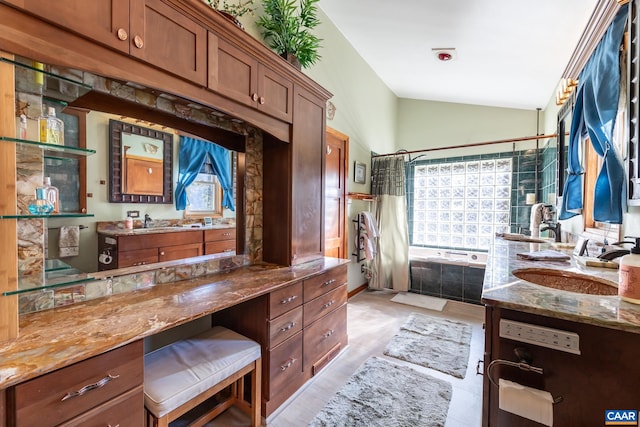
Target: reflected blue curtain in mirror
(594, 115)
(192, 155)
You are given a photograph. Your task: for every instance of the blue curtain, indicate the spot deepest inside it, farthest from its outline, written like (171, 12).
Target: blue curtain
(192, 155)
(594, 115)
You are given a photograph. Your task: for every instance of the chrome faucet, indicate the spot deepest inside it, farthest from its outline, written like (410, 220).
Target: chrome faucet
(147, 221)
(555, 228)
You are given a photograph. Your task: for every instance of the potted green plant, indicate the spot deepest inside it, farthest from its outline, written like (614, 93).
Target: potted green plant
(232, 10)
(286, 27)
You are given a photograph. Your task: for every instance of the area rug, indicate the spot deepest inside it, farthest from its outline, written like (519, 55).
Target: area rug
(417, 300)
(433, 342)
(384, 394)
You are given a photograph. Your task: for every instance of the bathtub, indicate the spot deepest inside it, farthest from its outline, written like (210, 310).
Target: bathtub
(447, 273)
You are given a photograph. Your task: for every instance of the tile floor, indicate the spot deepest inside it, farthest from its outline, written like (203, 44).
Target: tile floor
(372, 321)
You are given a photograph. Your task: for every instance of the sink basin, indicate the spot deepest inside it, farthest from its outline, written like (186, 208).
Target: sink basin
(567, 281)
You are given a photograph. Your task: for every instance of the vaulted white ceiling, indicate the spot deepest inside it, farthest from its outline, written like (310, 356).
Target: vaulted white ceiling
(507, 53)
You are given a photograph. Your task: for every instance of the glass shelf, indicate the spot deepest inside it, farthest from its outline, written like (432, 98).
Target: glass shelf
(53, 150)
(49, 216)
(51, 86)
(57, 274)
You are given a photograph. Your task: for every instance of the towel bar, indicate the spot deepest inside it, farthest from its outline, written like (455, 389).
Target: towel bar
(522, 365)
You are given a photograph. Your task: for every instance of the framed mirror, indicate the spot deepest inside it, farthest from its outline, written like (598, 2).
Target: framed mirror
(140, 164)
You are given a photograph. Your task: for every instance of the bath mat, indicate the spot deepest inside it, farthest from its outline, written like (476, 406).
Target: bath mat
(381, 394)
(433, 342)
(417, 300)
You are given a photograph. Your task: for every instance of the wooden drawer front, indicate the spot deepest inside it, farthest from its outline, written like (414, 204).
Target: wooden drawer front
(170, 253)
(322, 305)
(126, 410)
(219, 247)
(139, 257)
(325, 282)
(39, 401)
(156, 240)
(323, 335)
(285, 326)
(285, 299)
(285, 365)
(219, 234)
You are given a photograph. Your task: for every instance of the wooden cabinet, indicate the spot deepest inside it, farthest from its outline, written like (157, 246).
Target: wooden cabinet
(140, 249)
(301, 327)
(150, 30)
(143, 177)
(105, 387)
(601, 377)
(293, 202)
(236, 74)
(219, 240)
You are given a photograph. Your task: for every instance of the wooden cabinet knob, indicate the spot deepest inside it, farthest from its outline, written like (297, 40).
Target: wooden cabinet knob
(122, 34)
(254, 97)
(261, 100)
(162, 253)
(150, 171)
(137, 40)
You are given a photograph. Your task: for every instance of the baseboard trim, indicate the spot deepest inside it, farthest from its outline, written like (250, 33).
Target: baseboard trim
(357, 290)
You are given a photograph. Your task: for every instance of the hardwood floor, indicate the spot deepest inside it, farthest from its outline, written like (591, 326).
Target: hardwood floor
(372, 321)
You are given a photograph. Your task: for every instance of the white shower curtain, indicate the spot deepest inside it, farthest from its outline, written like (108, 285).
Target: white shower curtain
(390, 268)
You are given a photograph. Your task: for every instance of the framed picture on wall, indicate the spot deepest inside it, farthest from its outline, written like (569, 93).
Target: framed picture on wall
(359, 173)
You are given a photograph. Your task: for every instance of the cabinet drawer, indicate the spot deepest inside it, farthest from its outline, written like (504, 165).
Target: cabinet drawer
(139, 257)
(285, 299)
(219, 234)
(219, 247)
(324, 282)
(169, 253)
(285, 366)
(282, 327)
(156, 240)
(126, 410)
(41, 398)
(323, 335)
(313, 310)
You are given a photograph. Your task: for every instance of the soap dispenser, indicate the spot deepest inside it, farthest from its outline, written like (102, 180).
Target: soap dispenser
(629, 286)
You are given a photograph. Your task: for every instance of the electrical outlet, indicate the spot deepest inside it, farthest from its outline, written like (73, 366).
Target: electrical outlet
(133, 214)
(540, 335)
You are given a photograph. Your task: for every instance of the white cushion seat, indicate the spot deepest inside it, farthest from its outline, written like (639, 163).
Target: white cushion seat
(180, 372)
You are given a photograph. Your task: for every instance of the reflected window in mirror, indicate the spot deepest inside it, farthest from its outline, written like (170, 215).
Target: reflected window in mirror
(204, 195)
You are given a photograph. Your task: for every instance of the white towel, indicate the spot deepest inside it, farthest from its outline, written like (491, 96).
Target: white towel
(369, 223)
(530, 403)
(69, 241)
(536, 219)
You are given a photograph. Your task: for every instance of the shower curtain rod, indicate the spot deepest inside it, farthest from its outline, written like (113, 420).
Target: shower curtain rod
(476, 144)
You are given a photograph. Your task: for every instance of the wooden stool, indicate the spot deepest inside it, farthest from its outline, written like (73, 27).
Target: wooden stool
(180, 376)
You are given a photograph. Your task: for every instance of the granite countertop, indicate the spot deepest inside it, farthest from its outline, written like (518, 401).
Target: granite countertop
(56, 338)
(162, 229)
(502, 289)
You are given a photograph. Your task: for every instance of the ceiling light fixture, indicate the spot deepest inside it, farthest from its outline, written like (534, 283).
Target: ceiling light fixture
(445, 54)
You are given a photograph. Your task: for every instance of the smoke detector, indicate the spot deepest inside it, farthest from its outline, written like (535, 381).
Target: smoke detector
(445, 54)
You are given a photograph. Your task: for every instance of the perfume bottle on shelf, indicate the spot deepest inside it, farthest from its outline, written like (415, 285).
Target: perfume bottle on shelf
(52, 194)
(51, 127)
(41, 206)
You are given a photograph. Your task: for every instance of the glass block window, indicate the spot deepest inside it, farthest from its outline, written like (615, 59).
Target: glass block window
(461, 204)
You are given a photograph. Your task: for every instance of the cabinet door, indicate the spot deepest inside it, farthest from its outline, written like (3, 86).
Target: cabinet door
(232, 72)
(219, 247)
(162, 36)
(169, 253)
(140, 177)
(307, 170)
(126, 410)
(275, 94)
(105, 21)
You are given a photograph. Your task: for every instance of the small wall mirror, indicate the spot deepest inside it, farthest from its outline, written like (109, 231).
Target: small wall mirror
(140, 164)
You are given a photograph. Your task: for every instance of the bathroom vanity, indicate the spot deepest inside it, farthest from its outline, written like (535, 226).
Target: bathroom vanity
(586, 345)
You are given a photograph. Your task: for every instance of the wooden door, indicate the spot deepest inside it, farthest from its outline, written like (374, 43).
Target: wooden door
(162, 36)
(232, 72)
(337, 158)
(105, 21)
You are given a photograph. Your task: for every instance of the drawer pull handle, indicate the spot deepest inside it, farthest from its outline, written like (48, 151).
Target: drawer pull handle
(329, 304)
(289, 326)
(90, 387)
(287, 365)
(328, 282)
(328, 334)
(288, 300)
